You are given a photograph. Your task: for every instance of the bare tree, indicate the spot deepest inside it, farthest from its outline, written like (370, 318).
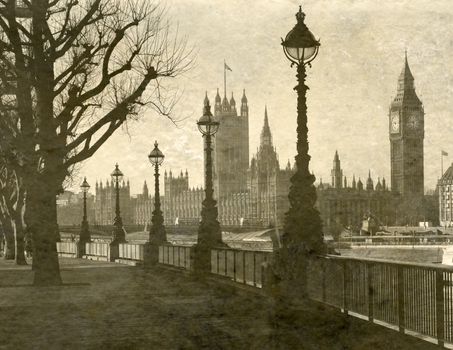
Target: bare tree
(81, 69)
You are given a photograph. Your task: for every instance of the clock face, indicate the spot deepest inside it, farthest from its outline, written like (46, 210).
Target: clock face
(412, 122)
(395, 122)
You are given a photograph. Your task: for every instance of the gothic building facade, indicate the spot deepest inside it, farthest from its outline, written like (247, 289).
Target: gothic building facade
(142, 207)
(105, 201)
(246, 195)
(181, 204)
(345, 205)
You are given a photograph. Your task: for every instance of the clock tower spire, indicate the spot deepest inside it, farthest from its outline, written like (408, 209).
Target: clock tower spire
(406, 133)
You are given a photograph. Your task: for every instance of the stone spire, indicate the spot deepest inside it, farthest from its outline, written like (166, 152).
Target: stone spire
(406, 74)
(354, 184)
(406, 88)
(145, 190)
(266, 136)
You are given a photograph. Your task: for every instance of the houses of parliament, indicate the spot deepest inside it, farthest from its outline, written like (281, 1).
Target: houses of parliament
(255, 193)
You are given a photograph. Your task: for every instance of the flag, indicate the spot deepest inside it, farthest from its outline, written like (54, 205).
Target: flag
(444, 153)
(226, 67)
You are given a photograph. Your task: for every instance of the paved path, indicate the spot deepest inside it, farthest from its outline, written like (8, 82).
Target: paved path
(110, 306)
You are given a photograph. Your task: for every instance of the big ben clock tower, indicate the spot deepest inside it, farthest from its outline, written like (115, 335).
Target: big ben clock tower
(406, 130)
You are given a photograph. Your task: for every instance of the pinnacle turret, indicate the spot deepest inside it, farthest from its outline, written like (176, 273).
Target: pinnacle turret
(369, 182)
(360, 185)
(244, 98)
(217, 97)
(244, 106)
(232, 101)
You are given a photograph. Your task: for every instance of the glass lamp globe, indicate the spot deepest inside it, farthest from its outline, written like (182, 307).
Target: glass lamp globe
(207, 123)
(156, 156)
(84, 186)
(300, 45)
(117, 175)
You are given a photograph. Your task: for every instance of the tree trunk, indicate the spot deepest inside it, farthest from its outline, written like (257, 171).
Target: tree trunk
(41, 221)
(9, 240)
(20, 241)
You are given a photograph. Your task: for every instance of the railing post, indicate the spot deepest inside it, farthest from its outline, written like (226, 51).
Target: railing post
(243, 267)
(226, 262)
(400, 280)
(440, 308)
(369, 269)
(254, 269)
(218, 262)
(179, 256)
(174, 260)
(323, 272)
(234, 265)
(345, 287)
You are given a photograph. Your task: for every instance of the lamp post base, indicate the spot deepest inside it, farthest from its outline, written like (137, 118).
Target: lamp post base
(119, 236)
(151, 257)
(207, 240)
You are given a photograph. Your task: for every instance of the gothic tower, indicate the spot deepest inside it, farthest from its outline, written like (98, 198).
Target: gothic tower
(337, 173)
(264, 179)
(406, 132)
(230, 146)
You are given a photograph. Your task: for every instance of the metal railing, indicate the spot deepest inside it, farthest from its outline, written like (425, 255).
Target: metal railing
(100, 251)
(67, 249)
(178, 256)
(243, 266)
(407, 297)
(131, 251)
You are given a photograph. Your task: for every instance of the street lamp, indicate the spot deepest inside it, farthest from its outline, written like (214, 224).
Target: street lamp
(157, 231)
(303, 227)
(118, 231)
(85, 236)
(209, 233)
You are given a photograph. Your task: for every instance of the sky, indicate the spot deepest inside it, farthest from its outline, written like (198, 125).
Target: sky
(352, 83)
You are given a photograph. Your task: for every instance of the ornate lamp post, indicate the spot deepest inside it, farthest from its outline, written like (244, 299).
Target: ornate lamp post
(85, 232)
(118, 231)
(209, 233)
(157, 231)
(302, 229)
(85, 236)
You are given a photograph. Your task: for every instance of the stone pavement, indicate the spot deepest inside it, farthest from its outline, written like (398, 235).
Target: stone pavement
(110, 306)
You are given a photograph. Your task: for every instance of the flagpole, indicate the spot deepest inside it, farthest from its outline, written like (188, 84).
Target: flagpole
(441, 164)
(224, 77)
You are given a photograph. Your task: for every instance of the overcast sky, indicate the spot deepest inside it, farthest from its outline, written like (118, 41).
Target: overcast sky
(352, 83)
